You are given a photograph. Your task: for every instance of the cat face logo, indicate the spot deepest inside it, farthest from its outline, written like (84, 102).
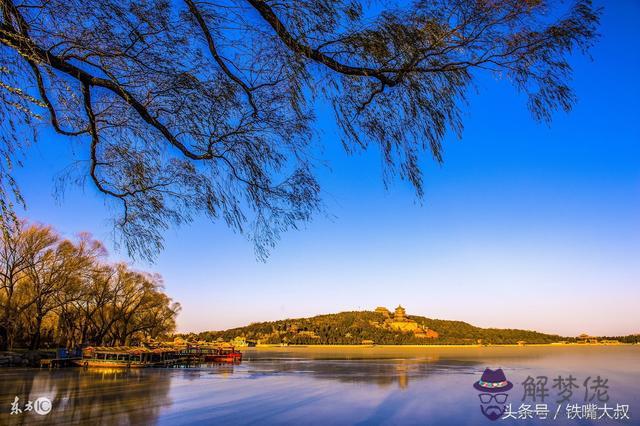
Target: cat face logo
(493, 387)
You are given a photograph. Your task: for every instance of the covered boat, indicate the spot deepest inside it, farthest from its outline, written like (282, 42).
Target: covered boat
(226, 354)
(126, 357)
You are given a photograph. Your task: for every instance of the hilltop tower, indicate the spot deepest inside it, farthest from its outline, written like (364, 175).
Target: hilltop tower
(400, 314)
(400, 322)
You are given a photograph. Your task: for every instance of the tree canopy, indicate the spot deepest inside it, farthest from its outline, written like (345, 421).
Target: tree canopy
(187, 107)
(55, 291)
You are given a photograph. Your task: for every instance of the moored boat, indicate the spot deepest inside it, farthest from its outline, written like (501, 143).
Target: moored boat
(226, 354)
(125, 357)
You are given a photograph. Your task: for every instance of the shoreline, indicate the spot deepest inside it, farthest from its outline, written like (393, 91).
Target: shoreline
(20, 357)
(506, 345)
(17, 359)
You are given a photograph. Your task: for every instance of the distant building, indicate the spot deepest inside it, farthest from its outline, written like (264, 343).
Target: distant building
(400, 314)
(426, 333)
(384, 311)
(585, 338)
(402, 323)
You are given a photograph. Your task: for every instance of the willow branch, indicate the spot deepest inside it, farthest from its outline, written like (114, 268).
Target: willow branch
(93, 130)
(52, 112)
(269, 15)
(214, 52)
(31, 51)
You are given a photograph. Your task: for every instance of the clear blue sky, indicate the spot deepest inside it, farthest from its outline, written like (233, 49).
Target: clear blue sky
(539, 224)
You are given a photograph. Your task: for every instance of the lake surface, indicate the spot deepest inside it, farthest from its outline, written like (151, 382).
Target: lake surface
(378, 385)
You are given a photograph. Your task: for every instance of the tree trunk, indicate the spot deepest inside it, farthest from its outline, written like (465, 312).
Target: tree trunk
(4, 338)
(35, 339)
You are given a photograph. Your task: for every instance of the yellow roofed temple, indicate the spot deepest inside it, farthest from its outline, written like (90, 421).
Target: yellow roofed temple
(399, 321)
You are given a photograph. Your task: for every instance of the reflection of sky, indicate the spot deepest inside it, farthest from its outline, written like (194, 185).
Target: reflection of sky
(539, 224)
(409, 386)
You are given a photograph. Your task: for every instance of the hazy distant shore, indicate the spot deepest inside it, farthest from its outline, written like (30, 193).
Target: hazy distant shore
(284, 347)
(431, 353)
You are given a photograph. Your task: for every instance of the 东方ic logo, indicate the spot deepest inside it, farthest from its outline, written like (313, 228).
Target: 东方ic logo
(42, 406)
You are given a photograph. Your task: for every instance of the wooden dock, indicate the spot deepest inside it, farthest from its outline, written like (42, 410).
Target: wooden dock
(140, 357)
(58, 362)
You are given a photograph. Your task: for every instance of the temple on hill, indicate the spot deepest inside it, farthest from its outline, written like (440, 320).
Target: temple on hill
(384, 311)
(399, 321)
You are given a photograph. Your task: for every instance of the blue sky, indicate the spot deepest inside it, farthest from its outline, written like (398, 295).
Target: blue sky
(525, 225)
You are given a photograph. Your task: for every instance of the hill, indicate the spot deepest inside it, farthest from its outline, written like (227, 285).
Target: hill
(352, 328)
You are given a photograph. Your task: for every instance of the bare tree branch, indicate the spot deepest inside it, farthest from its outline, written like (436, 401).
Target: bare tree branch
(212, 48)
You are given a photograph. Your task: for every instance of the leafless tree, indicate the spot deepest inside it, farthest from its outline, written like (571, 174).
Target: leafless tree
(65, 291)
(18, 244)
(207, 107)
(55, 277)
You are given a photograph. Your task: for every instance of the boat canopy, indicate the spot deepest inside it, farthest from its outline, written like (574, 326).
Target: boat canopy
(127, 350)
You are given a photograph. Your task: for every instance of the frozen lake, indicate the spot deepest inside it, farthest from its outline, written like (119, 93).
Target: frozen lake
(378, 385)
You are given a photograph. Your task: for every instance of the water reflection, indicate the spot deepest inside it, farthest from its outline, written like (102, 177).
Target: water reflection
(382, 372)
(306, 387)
(100, 396)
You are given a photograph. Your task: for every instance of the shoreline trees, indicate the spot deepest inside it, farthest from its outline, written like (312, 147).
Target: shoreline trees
(59, 292)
